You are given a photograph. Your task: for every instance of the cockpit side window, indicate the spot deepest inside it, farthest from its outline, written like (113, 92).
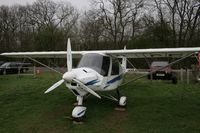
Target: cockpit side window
(115, 67)
(105, 66)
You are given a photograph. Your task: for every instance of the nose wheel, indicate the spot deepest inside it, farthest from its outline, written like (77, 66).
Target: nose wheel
(79, 111)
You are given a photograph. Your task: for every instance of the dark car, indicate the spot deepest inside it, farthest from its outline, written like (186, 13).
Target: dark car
(156, 71)
(1, 62)
(14, 67)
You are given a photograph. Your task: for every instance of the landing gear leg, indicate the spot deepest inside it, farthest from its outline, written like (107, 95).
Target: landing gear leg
(118, 94)
(79, 111)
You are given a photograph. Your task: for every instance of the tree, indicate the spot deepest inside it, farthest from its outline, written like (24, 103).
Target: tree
(50, 19)
(91, 30)
(137, 5)
(184, 16)
(117, 15)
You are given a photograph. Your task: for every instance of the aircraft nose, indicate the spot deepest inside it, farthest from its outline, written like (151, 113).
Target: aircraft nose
(69, 76)
(88, 79)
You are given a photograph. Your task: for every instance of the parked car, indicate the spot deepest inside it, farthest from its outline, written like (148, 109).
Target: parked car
(1, 62)
(163, 74)
(14, 67)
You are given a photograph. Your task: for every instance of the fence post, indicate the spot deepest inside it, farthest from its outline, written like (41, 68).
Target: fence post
(181, 74)
(188, 76)
(18, 68)
(34, 71)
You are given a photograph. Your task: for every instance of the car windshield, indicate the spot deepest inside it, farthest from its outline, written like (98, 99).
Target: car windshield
(159, 64)
(96, 62)
(4, 65)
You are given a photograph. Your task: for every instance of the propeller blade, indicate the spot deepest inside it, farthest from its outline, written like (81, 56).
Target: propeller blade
(86, 88)
(69, 56)
(54, 86)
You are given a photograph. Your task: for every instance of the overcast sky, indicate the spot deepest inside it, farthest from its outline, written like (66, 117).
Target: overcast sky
(80, 4)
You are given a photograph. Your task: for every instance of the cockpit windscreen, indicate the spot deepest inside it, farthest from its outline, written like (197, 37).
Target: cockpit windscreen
(96, 62)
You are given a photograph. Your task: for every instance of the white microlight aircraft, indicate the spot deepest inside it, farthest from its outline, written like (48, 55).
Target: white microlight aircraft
(100, 70)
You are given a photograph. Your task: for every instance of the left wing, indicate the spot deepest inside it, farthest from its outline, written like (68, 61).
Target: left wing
(43, 54)
(129, 53)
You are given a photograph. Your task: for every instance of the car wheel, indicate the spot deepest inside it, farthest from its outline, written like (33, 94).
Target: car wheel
(23, 70)
(4, 72)
(174, 80)
(198, 77)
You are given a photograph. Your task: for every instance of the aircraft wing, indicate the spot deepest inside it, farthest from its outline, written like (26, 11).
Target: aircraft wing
(129, 53)
(43, 54)
(154, 53)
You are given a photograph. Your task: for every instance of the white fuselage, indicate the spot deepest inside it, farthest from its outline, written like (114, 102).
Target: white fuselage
(94, 80)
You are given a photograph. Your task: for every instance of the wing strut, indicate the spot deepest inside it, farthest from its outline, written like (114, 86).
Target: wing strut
(199, 59)
(172, 63)
(43, 65)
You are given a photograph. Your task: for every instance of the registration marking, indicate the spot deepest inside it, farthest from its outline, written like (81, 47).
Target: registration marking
(160, 74)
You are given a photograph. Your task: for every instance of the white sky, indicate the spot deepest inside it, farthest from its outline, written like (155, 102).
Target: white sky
(80, 4)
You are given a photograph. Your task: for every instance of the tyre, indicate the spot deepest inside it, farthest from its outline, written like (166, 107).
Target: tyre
(23, 70)
(198, 77)
(174, 80)
(4, 72)
(122, 101)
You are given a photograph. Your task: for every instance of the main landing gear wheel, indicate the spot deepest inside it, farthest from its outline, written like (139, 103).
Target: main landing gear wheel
(122, 100)
(121, 104)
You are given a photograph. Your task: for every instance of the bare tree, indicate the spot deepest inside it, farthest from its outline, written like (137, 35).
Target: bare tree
(117, 15)
(91, 30)
(8, 27)
(182, 17)
(194, 20)
(137, 5)
(159, 7)
(172, 11)
(51, 19)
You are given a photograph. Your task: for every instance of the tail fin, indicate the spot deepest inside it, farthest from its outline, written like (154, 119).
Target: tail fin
(124, 62)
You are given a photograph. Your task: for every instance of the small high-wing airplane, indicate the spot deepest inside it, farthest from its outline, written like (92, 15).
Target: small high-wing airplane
(100, 70)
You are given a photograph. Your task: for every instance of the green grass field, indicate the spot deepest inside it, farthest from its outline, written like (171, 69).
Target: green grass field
(153, 106)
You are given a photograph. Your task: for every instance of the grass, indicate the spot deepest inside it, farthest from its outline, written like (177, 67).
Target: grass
(153, 106)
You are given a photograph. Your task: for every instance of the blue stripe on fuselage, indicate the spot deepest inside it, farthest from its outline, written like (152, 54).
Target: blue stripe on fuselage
(115, 79)
(92, 82)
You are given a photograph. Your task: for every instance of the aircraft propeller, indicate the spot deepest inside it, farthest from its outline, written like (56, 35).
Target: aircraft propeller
(70, 76)
(69, 56)
(55, 86)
